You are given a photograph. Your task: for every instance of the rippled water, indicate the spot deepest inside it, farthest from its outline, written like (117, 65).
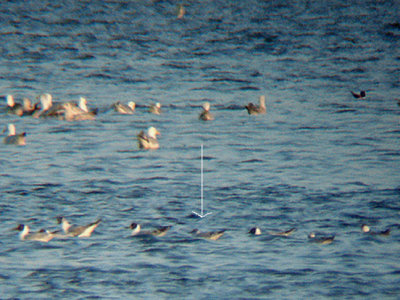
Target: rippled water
(320, 160)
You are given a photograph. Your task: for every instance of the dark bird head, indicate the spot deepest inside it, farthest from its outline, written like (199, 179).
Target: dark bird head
(250, 107)
(133, 225)
(20, 227)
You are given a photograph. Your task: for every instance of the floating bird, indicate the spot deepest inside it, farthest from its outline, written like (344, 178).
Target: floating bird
(212, 235)
(45, 105)
(283, 233)
(79, 231)
(41, 236)
(155, 108)
(14, 139)
(365, 228)
(205, 114)
(47, 108)
(148, 141)
(181, 11)
(14, 108)
(252, 109)
(83, 106)
(124, 109)
(159, 232)
(255, 231)
(77, 112)
(360, 95)
(72, 112)
(28, 108)
(59, 234)
(324, 240)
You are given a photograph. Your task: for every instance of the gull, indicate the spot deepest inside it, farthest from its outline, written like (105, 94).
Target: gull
(41, 236)
(14, 108)
(14, 139)
(59, 234)
(83, 106)
(47, 108)
(282, 233)
(181, 11)
(324, 240)
(161, 231)
(252, 109)
(148, 141)
(79, 231)
(75, 113)
(211, 235)
(155, 108)
(362, 94)
(365, 228)
(29, 109)
(205, 114)
(124, 109)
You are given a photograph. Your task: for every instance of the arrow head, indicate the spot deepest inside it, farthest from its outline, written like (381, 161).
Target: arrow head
(200, 215)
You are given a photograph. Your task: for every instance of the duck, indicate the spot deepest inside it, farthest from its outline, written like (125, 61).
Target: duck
(41, 236)
(77, 231)
(365, 229)
(155, 108)
(159, 232)
(124, 109)
(362, 94)
(205, 114)
(148, 141)
(14, 139)
(14, 108)
(252, 109)
(282, 233)
(255, 231)
(211, 235)
(324, 240)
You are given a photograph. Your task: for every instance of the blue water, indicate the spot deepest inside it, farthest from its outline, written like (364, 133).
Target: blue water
(319, 160)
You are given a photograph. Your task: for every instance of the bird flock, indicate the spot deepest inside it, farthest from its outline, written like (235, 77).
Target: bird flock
(85, 231)
(79, 111)
(72, 111)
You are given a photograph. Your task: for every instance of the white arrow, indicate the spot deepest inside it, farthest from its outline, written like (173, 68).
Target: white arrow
(201, 215)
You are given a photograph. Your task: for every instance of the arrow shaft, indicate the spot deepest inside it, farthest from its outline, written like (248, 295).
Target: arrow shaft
(202, 180)
(201, 215)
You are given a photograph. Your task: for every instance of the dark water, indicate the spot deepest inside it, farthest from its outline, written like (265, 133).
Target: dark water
(320, 160)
